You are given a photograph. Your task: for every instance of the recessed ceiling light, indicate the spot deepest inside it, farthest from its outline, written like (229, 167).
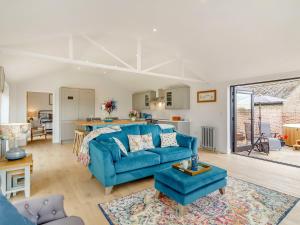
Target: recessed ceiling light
(79, 68)
(104, 72)
(154, 29)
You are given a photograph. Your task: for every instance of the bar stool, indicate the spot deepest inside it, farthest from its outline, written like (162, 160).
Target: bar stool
(78, 139)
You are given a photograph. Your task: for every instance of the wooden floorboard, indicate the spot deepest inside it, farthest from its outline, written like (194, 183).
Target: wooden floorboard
(56, 171)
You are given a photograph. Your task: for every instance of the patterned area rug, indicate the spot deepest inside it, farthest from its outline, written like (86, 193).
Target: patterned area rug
(243, 203)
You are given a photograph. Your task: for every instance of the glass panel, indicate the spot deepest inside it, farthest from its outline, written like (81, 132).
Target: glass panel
(243, 121)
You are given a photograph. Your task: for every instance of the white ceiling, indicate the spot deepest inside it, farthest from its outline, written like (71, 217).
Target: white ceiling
(218, 39)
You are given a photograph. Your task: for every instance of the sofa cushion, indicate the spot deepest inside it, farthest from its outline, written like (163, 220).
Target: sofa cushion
(9, 215)
(154, 130)
(71, 220)
(137, 160)
(135, 143)
(114, 149)
(184, 140)
(121, 146)
(120, 135)
(170, 154)
(168, 140)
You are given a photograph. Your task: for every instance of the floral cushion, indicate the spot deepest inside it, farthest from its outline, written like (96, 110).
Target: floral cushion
(135, 143)
(121, 146)
(168, 140)
(147, 141)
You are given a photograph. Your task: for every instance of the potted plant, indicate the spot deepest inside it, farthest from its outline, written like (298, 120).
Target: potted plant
(282, 139)
(133, 115)
(109, 106)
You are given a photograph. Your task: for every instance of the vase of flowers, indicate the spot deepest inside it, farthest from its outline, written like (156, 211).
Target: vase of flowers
(109, 107)
(133, 115)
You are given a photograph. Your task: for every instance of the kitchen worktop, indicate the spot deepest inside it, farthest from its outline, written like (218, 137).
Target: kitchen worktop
(114, 122)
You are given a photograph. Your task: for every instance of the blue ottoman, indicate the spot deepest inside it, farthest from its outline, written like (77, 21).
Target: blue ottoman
(185, 189)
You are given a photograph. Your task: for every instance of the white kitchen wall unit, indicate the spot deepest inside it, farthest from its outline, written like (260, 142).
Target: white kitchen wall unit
(177, 97)
(182, 127)
(75, 104)
(141, 100)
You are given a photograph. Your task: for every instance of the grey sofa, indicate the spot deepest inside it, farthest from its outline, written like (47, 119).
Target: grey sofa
(48, 210)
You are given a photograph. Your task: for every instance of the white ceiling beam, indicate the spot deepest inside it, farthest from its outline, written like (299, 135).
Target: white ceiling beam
(139, 55)
(90, 64)
(71, 47)
(159, 65)
(101, 47)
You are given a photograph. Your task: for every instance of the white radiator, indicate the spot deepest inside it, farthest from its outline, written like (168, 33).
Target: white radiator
(208, 140)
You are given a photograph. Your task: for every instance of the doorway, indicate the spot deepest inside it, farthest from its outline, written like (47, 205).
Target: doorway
(263, 116)
(40, 115)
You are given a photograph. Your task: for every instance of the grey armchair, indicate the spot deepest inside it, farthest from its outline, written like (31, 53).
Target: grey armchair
(47, 211)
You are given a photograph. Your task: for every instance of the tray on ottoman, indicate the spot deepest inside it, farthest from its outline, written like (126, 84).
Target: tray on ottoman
(201, 169)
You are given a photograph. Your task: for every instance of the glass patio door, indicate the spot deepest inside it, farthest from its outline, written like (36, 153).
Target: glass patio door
(243, 119)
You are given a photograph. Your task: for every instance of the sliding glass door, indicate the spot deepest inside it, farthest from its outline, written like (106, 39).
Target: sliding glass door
(242, 115)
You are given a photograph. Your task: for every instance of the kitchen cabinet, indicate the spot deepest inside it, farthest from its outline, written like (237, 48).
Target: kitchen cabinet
(141, 100)
(182, 127)
(177, 98)
(74, 104)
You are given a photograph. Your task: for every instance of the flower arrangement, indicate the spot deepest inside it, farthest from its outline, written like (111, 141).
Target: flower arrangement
(282, 137)
(133, 114)
(109, 106)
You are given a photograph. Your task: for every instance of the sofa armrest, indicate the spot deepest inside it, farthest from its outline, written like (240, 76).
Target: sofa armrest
(101, 164)
(188, 142)
(42, 210)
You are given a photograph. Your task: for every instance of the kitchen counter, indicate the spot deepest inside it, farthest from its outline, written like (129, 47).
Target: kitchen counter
(92, 125)
(182, 126)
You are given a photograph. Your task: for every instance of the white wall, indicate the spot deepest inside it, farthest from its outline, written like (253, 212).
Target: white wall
(38, 101)
(104, 89)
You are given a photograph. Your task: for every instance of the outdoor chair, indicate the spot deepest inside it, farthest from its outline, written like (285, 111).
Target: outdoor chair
(265, 142)
(273, 142)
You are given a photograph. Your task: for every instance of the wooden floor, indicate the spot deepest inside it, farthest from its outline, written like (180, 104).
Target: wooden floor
(56, 171)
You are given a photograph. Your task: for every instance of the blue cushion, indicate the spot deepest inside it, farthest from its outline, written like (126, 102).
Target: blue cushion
(120, 135)
(114, 149)
(184, 183)
(170, 154)
(154, 130)
(137, 160)
(184, 140)
(9, 215)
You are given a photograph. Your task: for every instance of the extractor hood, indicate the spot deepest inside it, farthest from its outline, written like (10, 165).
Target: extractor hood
(160, 96)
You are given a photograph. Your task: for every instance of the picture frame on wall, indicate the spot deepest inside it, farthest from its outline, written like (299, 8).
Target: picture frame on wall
(50, 99)
(207, 96)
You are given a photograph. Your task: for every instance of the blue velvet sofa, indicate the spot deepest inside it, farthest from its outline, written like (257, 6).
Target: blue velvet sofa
(111, 169)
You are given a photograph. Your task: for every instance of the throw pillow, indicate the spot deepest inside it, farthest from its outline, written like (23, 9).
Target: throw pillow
(9, 215)
(168, 140)
(147, 141)
(121, 146)
(135, 143)
(114, 149)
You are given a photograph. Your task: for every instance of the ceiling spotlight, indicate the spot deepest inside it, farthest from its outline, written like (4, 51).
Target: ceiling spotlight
(154, 29)
(79, 68)
(104, 72)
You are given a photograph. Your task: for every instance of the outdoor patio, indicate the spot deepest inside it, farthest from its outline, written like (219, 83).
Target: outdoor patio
(274, 105)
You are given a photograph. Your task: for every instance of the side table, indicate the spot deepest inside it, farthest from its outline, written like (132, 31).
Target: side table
(20, 164)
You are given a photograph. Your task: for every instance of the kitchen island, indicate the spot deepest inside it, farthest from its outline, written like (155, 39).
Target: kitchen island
(95, 124)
